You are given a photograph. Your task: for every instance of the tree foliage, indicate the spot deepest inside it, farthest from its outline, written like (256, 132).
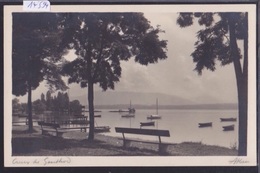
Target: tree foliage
(35, 51)
(109, 38)
(16, 106)
(101, 41)
(39, 106)
(213, 40)
(75, 107)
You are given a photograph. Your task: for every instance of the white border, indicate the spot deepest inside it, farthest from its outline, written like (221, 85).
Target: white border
(86, 161)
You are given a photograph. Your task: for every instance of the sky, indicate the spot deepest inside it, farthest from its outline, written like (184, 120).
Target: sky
(173, 76)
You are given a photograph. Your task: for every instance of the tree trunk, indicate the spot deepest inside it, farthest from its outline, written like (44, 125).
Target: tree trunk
(241, 89)
(29, 104)
(244, 101)
(90, 93)
(91, 110)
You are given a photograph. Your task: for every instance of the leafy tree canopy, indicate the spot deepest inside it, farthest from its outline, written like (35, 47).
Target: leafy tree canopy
(35, 51)
(214, 39)
(108, 38)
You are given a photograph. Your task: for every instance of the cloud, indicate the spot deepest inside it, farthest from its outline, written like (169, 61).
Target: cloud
(135, 77)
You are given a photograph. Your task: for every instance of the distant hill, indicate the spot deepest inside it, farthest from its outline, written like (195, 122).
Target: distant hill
(121, 100)
(227, 106)
(136, 98)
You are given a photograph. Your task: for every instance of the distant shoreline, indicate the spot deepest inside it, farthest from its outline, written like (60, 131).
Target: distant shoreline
(229, 106)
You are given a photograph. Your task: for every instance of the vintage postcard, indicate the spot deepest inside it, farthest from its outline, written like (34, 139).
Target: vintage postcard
(130, 85)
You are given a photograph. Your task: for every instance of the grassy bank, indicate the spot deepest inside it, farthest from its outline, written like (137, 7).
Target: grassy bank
(76, 144)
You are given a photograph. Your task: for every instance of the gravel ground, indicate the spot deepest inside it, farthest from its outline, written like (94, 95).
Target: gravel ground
(76, 144)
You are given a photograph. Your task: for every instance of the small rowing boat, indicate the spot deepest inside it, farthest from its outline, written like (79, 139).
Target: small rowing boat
(229, 128)
(151, 123)
(128, 115)
(209, 124)
(228, 119)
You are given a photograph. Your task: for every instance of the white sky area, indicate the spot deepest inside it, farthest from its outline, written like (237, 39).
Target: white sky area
(173, 76)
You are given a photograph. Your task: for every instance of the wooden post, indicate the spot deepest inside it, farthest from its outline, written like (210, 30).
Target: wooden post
(124, 140)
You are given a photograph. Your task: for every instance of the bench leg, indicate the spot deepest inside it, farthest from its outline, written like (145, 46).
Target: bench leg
(59, 134)
(44, 132)
(83, 129)
(163, 148)
(127, 143)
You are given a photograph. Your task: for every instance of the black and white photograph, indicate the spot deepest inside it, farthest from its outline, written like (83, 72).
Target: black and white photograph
(130, 85)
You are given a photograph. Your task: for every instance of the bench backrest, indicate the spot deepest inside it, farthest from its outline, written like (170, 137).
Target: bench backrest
(53, 125)
(152, 132)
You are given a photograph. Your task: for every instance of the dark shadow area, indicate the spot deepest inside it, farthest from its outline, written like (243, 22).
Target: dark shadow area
(19, 132)
(43, 145)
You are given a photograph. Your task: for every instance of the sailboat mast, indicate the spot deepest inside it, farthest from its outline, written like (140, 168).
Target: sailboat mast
(156, 106)
(69, 100)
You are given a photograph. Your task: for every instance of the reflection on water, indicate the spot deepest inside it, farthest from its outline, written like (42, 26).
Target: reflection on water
(182, 124)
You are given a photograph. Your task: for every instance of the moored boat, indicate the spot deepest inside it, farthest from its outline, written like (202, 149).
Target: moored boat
(97, 116)
(120, 110)
(150, 123)
(128, 115)
(208, 124)
(152, 117)
(228, 119)
(130, 109)
(229, 128)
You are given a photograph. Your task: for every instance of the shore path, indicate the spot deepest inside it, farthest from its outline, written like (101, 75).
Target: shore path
(75, 143)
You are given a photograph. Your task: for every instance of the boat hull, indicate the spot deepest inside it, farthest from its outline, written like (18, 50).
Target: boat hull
(205, 124)
(119, 111)
(228, 119)
(229, 128)
(128, 116)
(151, 117)
(147, 123)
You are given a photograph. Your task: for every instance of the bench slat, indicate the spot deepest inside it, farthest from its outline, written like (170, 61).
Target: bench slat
(64, 128)
(53, 125)
(152, 132)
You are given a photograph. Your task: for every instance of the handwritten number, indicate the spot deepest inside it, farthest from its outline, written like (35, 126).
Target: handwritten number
(43, 4)
(39, 4)
(32, 4)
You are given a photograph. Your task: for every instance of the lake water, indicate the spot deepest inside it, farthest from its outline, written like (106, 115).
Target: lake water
(182, 124)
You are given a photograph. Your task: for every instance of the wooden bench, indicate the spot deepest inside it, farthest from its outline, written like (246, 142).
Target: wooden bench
(152, 132)
(54, 127)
